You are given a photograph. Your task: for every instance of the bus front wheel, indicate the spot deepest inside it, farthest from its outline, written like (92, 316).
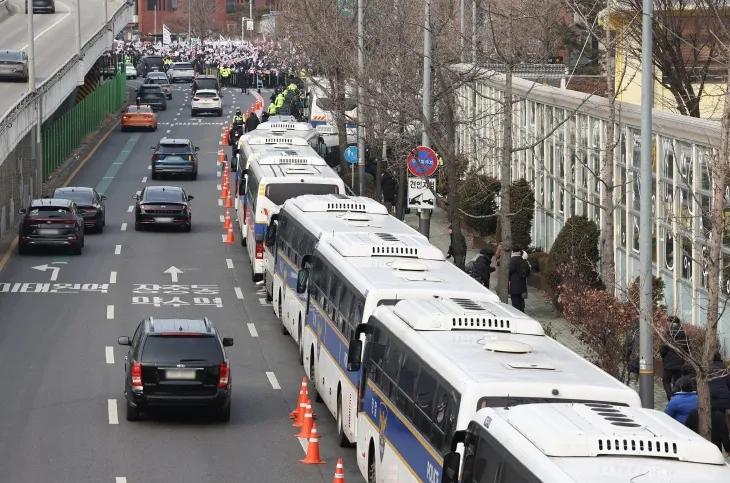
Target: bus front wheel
(372, 478)
(313, 376)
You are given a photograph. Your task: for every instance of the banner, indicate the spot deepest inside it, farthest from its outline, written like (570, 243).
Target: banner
(166, 37)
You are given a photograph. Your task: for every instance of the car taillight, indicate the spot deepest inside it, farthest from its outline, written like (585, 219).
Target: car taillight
(216, 99)
(259, 251)
(185, 209)
(196, 98)
(168, 86)
(155, 157)
(223, 376)
(137, 374)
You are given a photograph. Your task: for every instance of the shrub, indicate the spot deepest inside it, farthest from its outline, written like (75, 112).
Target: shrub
(537, 260)
(477, 197)
(657, 293)
(574, 253)
(442, 185)
(369, 183)
(522, 204)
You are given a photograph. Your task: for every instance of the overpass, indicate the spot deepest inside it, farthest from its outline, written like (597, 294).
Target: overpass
(59, 71)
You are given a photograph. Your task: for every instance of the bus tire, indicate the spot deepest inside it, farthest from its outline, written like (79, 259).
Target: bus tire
(341, 436)
(301, 346)
(281, 317)
(269, 296)
(372, 477)
(313, 376)
(243, 241)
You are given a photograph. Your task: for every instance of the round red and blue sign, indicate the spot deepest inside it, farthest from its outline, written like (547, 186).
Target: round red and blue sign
(423, 162)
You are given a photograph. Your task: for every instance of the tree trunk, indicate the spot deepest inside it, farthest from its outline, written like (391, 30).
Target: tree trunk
(338, 96)
(607, 263)
(452, 175)
(719, 170)
(505, 178)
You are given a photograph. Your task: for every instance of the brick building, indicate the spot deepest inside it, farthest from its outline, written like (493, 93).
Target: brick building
(167, 9)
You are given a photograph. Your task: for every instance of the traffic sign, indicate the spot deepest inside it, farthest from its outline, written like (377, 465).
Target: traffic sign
(420, 195)
(422, 161)
(351, 154)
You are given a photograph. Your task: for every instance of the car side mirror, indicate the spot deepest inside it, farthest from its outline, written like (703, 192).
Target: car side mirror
(22, 211)
(197, 149)
(153, 147)
(103, 198)
(191, 198)
(227, 341)
(135, 197)
(354, 356)
(124, 341)
(302, 280)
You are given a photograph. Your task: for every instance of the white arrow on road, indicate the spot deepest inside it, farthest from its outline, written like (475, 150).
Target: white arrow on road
(173, 271)
(54, 275)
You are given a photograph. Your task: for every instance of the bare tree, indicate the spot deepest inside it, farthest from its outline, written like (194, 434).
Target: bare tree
(203, 20)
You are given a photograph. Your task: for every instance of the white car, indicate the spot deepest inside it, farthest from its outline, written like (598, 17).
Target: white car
(130, 70)
(206, 100)
(181, 72)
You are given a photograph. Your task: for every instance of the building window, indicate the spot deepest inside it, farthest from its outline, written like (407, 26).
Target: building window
(668, 249)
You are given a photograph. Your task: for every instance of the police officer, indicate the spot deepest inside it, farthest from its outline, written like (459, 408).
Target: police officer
(238, 118)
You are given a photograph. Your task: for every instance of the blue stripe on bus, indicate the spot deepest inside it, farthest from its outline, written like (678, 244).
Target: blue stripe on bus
(289, 272)
(331, 339)
(408, 446)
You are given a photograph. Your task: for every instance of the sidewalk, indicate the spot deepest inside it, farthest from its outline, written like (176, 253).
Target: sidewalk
(537, 305)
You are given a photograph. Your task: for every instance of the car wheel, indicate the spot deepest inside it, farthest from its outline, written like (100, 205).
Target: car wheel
(99, 227)
(154, 175)
(164, 108)
(188, 228)
(138, 226)
(194, 176)
(224, 414)
(220, 112)
(53, 9)
(193, 113)
(169, 97)
(124, 129)
(132, 413)
(77, 248)
(22, 249)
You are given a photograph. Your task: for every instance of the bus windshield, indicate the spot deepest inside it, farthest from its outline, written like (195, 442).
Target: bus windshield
(280, 192)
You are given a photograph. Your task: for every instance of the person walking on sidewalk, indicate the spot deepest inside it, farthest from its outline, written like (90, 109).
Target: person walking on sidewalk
(460, 259)
(483, 266)
(673, 360)
(519, 270)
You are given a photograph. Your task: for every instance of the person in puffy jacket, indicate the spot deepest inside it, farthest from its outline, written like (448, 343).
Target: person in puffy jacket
(682, 403)
(483, 266)
(673, 360)
(720, 385)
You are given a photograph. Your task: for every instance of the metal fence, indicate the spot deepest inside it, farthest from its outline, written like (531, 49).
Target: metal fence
(66, 133)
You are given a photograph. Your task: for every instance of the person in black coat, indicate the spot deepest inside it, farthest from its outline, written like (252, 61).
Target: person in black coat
(720, 385)
(518, 274)
(460, 260)
(252, 122)
(672, 360)
(720, 435)
(390, 190)
(483, 266)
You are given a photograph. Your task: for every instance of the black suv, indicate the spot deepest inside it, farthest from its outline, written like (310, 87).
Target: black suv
(51, 223)
(89, 202)
(176, 157)
(177, 362)
(206, 82)
(153, 96)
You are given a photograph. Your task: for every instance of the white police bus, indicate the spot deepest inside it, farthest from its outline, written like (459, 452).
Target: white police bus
(302, 130)
(293, 233)
(267, 184)
(351, 274)
(569, 443)
(429, 365)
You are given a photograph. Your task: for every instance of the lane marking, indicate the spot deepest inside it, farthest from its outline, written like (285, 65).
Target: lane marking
(51, 26)
(124, 227)
(112, 410)
(149, 167)
(113, 277)
(144, 180)
(220, 202)
(109, 354)
(117, 164)
(121, 479)
(118, 250)
(130, 209)
(109, 312)
(239, 293)
(252, 330)
(167, 132)
(218, 187)
(302, 441)
(223, 237)
(272, 380)
(223, 219)
(218, 174)
(229, 263)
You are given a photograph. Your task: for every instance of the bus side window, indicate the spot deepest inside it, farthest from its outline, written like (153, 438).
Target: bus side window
(343, 317)
(444, 417)
(406, 386)
(324, 286)
(425, 392)
(375, 351)
(337, 295)
(316, 279)
(393, 356)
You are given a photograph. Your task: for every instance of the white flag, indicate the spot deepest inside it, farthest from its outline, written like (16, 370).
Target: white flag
(166, 38)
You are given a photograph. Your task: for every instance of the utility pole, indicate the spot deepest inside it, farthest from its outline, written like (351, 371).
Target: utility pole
(243, 26)
(78, 26)
(646, 358)
(250, 9)
(190, 38)
(424, 216)
(154, 20)
(360, 96)
(106, 12)
(35, 133)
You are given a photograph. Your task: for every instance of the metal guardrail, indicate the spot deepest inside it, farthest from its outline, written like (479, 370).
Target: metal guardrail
(26, 103)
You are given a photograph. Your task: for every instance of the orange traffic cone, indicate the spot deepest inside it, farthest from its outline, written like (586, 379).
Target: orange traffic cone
(302, 398)
(221, 157)
(224, 192)
(227, 223)
(230, 238)
(339, 472)
(226, 173)
(300, 414)
(306, 424)
(229, 201)
(224, 139)
(313, 449)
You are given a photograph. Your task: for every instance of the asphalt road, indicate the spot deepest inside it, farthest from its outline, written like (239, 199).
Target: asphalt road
(55, 39)
(62, 417)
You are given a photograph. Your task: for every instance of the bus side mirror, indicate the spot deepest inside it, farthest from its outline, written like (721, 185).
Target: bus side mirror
(271, 234)
(450, 473)
(354, 356)
(302, 280)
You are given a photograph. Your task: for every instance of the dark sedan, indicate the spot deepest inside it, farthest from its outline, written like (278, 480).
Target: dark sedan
(14, 65)
(91, 205)
(153, 96)
(162, 206)
(51, 223)
(42, 6)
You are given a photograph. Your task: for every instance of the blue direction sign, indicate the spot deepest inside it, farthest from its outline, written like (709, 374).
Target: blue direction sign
(423, 161)
(351, 154)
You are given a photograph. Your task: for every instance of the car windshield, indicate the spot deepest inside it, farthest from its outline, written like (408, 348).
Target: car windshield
(10, 56)
(156, 80)
(150, 88)
(160, 348)
(206, 84)
(80, 197)
(49, 212)
(174, 148)
(206, 94)
(166, 196)
(140, 109)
